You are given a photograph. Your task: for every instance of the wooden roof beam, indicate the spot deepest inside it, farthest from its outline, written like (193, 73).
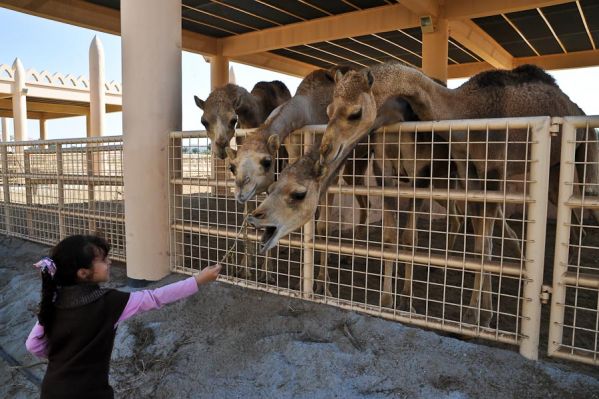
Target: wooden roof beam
(480, 43)
(363, 22)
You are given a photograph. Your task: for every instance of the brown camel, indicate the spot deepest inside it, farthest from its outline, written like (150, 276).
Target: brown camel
(232, 106)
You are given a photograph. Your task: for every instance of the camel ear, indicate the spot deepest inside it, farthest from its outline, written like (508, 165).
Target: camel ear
(369, 77)
(231, 153)
(319, 170)
(273, 144)
(199, 103)
(338, 76)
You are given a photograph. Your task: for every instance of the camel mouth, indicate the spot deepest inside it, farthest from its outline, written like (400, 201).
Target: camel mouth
(243, 198)
(219, 152)
(269, 238)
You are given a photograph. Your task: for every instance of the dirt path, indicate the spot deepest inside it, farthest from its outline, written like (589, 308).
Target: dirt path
(228, 342)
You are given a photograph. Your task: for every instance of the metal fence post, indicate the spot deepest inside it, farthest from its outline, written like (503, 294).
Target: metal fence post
(6, 188)
(540, 150)
(60, 187)
(308, 236)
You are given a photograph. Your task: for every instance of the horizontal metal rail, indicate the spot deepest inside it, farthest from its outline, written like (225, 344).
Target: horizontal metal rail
(42, 178)
(450, 261)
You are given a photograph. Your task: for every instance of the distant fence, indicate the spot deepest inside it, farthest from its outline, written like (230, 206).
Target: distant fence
(55, 188)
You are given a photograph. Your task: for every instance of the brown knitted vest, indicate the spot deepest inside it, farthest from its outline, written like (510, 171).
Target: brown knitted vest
(80, 345)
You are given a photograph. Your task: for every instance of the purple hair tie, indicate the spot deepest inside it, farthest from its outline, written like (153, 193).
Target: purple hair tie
(46, 265)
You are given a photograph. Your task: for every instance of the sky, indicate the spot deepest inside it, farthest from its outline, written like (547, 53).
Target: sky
(43, 44)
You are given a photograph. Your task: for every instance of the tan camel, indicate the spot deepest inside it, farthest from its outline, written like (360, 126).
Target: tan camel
(524, 91)
(232, 106)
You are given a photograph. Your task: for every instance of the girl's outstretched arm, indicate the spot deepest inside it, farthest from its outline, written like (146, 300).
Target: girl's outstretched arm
(37, 343)
(142, 301)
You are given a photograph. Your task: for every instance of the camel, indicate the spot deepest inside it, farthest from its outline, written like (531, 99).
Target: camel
(523, 91)
(230, 106)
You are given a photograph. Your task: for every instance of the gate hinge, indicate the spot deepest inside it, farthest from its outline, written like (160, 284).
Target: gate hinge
(555, 126)
(545, 294)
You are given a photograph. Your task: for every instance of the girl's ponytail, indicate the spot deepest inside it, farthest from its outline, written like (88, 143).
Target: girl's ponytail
(46, 307)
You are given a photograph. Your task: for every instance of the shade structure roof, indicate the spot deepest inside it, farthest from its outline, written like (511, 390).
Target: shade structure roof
(51, 96)
(295, 36)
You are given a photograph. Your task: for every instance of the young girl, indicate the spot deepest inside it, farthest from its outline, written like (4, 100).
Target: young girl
(77, 319)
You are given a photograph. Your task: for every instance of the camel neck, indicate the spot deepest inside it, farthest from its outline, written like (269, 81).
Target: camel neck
(293, 115)
(424, 94)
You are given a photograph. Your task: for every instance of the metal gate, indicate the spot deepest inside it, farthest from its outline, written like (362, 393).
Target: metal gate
(574, 320)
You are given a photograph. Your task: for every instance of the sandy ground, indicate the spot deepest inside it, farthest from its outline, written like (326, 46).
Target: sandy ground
(228, 342)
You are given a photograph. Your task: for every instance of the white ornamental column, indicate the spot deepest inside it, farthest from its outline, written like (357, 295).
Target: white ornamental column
(97, 97)
(19, 102)
(151, 57)
(4, 127)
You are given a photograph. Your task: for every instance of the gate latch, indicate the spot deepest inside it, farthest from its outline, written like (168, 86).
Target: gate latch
(545, 294)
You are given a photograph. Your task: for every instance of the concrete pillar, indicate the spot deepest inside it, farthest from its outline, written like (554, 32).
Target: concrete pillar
(219, 76)
(151, 57)
(97, 97)
(434, 51)
(4, 127)
(42, 128)
(19, 102)
(219, 71)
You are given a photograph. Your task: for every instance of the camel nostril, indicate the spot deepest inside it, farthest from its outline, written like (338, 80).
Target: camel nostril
(258, 214)
(246, 180)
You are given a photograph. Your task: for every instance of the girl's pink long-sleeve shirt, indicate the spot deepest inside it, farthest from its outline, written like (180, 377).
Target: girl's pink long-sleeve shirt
(139, 302)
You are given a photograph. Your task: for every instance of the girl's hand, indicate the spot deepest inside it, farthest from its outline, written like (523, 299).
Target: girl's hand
(208, 274)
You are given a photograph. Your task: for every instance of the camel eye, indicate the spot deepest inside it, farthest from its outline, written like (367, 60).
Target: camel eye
(298, 195)
(266, 162)
(355, 116)
(233, 123)
(232, 168)
(205, 123)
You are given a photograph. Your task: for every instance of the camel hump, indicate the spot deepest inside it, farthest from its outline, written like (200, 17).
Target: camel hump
(274, 91)
(521, 75)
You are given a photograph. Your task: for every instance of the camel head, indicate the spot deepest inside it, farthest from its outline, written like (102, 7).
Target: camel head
(351, 114)
(291, 201)
(219, 119)
(253, 165)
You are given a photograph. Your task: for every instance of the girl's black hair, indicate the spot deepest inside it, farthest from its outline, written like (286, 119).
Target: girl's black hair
(71, 254)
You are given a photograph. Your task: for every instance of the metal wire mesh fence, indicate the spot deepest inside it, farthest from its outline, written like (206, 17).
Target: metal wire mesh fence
(55, 188)
(574, 323)
(434, 224)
